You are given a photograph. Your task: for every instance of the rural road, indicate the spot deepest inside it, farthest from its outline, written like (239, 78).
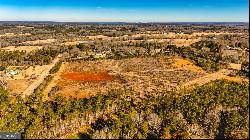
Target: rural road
(30, 89)
(209, 77)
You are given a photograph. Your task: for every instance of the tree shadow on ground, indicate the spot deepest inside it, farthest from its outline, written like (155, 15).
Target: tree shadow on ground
(152, 136)
(222, 126)
(83, 136)
(99, 124)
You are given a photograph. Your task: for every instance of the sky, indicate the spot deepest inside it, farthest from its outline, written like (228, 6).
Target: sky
(125, 10)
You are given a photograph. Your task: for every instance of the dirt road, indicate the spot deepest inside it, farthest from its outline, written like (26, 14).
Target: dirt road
(28, 91)
(222, 74)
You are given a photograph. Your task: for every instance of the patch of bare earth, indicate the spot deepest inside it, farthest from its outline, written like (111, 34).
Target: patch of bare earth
(186, 64)
(143, 75)
(22, 48)
(35, 42)
(235, 66)
(19, 85)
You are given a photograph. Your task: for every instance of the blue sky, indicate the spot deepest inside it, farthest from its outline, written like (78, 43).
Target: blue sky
(125, 10)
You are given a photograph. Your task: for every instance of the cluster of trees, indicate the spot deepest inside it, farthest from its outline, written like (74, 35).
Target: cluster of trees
(39, 57)
(119, 50)
(206, 54)
(3, 80)
(42, 57)
(121, 114)
(8, 58)
(244, 69)
(236, 41)
(54, 90)
(56, 68)
(81, 47)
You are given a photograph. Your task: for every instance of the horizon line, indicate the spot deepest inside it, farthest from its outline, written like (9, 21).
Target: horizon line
(124, 21)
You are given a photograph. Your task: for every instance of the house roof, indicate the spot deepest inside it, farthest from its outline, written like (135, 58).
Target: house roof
(12, 72)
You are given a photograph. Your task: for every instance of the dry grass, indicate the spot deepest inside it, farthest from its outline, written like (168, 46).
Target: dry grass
(27, 73)
(184, 42)
(22, 48)
(14, 35)
(69, 43)
(221, 74)
(178, 42)
(18, 86)
(235, 66)
(186, 64)
(35, 42)
(143, 75)
(98, 37)
(18, 83)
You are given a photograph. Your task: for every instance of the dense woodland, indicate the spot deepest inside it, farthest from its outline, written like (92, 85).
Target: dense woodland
(220, 109)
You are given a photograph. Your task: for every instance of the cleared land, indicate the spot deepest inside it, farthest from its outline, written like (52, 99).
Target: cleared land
(18, 86)
(14, 35)
(35, 42)
(235, 66)
(29, 72)
(143, 75)
(22, 48)
(87, 76)
(18, 83)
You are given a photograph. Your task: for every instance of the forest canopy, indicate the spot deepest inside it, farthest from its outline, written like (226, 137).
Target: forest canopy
(120, 114)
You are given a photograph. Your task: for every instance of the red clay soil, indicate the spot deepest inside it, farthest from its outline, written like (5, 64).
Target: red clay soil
(87, 76)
